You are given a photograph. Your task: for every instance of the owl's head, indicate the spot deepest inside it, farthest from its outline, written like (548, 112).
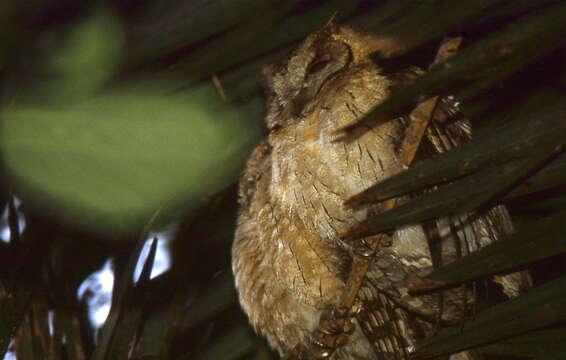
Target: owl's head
(292, 85)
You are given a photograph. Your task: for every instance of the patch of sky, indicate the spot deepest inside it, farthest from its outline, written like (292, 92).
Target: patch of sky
(10, 354)
(4, 221)
(97, 288)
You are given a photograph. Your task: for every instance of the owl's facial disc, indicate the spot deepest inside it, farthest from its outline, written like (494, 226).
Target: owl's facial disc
(292, 86)
(331, 57)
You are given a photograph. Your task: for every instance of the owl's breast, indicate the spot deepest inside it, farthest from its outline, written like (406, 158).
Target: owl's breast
(312, 174)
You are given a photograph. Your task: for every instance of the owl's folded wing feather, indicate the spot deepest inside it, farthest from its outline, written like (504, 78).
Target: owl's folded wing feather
(389, 323)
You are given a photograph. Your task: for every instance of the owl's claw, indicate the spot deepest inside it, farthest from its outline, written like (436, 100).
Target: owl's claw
(333, 331)
(333, 321)
(319, 349)
(365, 247)
(315, 351)
(362, 248)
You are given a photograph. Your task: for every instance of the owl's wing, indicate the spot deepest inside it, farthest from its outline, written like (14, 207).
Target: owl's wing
(390, 326)
(471, 231)
(256, 165)
(448, 130)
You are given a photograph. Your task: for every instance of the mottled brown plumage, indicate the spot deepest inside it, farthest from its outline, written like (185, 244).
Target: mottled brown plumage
(289, 263)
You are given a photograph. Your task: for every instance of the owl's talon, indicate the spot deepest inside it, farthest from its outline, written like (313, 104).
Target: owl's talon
(319, 348)
(334, 321)
(340, 312)
(319, 338)
(342, 340)
(358, 306)
(316, 352)
(320, 352)
(349, 327)
(362, 248)
(386, 241)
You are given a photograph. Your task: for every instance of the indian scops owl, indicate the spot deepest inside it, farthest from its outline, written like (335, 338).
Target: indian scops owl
(288, 259)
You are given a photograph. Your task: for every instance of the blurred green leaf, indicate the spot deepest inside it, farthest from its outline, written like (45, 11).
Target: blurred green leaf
(86, 59)
(109, 162)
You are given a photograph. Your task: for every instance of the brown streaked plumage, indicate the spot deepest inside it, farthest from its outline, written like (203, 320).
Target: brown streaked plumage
(289, 262)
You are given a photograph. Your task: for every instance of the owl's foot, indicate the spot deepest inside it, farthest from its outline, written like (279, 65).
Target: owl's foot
(337, 320)
(365, 247)
(362, 248)
(333, 332)
(318, 348)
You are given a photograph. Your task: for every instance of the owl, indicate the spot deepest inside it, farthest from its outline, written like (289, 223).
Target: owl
(289, 262)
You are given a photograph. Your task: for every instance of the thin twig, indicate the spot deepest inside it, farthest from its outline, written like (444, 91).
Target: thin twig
(218, 85)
